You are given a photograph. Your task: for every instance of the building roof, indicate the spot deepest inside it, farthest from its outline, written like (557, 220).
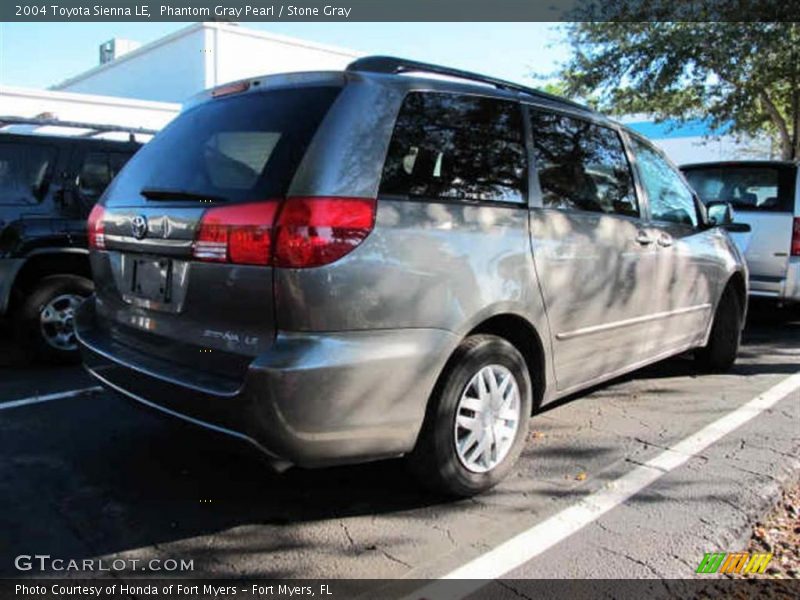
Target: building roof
(186, 31)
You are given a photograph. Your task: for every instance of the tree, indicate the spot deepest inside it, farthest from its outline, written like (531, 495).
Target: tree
(743, 77)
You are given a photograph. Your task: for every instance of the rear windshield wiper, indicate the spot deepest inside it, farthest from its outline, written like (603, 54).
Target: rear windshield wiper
(154, 193)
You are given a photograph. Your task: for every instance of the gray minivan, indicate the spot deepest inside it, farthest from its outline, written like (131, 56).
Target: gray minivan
(346, 266)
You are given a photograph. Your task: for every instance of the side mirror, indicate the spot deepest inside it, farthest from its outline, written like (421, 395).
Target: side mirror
(720, 214)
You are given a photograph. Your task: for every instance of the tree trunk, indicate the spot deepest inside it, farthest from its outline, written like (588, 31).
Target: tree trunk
(787, 143)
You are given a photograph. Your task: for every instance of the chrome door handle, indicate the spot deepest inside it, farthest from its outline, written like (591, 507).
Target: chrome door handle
(664, 241)
(644, 238)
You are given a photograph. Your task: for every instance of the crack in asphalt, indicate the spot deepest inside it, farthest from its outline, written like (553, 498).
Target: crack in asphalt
(395, 559)
(347, 534)
(627, 556)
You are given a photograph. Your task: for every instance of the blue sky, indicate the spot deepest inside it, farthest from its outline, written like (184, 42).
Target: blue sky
(38, 55)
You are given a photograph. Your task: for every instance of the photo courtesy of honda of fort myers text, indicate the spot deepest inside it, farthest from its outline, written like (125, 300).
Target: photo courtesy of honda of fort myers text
(406, 300)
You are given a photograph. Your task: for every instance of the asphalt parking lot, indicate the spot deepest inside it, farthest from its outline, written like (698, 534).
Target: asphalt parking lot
(91, 476)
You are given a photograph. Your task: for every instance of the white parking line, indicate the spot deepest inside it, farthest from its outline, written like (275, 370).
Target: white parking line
(49, 397)
(530, 543)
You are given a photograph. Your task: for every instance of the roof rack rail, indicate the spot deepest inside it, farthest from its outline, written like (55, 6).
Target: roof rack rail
(394, 66)
(94, 128)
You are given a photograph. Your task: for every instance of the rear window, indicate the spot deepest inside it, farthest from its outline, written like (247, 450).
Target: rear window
(238, 148)
(457, 147)
(748, 188)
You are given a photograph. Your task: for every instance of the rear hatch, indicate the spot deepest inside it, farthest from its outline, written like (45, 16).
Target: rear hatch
(185, 273)
(762, 196)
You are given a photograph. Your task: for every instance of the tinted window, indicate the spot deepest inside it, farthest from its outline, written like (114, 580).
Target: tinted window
(581, 166)
(241, 147)
(669, 197)
(461, 147)
(94, 176)
(747, 188)
(25, 172)
(97, 171)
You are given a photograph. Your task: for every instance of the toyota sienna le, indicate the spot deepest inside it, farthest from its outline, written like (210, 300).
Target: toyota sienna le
(347, 266)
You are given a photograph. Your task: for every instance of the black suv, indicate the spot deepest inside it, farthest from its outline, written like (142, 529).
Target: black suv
(48, 185)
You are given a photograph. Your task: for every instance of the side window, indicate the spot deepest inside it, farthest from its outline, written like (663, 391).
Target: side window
(25, 172)
(582, 166)
(459, 147)
(94, 176)
(669, 197)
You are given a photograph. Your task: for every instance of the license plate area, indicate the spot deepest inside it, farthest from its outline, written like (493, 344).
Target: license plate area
(151, 279)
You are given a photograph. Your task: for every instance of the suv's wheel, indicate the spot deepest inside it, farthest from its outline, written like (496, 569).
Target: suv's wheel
(45, 319)
(477, 420)
(719, 354)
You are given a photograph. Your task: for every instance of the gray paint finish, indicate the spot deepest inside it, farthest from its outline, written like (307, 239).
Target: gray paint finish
(337, 363)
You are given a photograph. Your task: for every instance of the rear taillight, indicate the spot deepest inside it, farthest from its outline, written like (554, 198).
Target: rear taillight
(240, 234)
(95, 228)
(311, 232)
(796, 237)
(308, 232)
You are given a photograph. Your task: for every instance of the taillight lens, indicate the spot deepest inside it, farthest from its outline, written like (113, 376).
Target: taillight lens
(311, 232)
(796, 237)
(308, 232)
(95, 228)
(240, 234)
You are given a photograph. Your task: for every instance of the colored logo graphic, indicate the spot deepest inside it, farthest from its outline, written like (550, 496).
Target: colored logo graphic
(734, 562)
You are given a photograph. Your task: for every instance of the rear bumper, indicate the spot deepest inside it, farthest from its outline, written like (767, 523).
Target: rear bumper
(313, 399)
(791, 288)
(785, 289)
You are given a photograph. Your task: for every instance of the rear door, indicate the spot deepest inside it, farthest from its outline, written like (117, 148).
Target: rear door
(594, 257)
(203, 305)
(763, 197)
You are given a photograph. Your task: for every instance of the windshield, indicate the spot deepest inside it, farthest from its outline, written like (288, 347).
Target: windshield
(748, 188)
(238, 148)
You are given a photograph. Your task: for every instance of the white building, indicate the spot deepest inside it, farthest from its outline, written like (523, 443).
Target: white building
(696, 141)
(200, 56)
(83, 108)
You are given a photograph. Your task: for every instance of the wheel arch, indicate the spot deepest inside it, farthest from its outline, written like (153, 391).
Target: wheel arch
(45, 264)
(738, 284)
(520, 333)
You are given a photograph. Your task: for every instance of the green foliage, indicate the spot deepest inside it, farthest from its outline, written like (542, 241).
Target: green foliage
(744, 77)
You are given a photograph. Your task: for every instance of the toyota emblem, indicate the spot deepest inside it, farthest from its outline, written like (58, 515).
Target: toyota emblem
(139, 227)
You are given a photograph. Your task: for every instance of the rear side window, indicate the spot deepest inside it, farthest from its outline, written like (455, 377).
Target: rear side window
(25, 172)
(750, 188)
(240, 148)
(581, 166)
(457, 147)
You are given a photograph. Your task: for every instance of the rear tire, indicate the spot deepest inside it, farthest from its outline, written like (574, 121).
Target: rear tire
(477, 419)
(719, 354)
(44, 321)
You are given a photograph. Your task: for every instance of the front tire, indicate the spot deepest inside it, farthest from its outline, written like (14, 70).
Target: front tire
(45, 319)
(719, 354)
(477, 419)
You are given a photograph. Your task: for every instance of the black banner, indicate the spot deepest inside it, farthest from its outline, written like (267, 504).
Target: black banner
(113, 588)
(398, 10)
